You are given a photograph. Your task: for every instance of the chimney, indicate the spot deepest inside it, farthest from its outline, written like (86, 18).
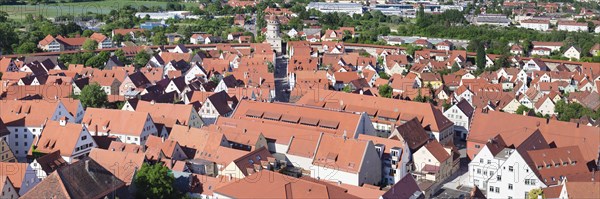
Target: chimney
(152, 102)
(163, 139)
(547, 120)
(577, 124)
(87, 165)
(63, 121)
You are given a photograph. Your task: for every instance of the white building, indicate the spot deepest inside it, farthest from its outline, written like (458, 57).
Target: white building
(572, 26)
(130, 127)
(395, 156)
(26, 119)
(73, 141)
(460, 114)
(346, 8)
(535, 24)
(272, 34)
(573, 53)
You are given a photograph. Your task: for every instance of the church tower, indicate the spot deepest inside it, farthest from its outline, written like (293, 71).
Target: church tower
(272, 34)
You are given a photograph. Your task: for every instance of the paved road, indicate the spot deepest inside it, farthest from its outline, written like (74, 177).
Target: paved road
(281, 81)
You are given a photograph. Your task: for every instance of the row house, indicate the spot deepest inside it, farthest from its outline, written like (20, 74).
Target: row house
(167, 114)
(63, 184)
(348, 124)
(385, 114)
(129, 127)
(26, 119)
(572, 26)
(553, 46)
(395, 157)
(560, 133)
(22, 177)
(434, 162)
(330, 157)
(460, 114)
(134, 33)
(73, 141)
(60, 43)
(337, 35)
(103, 40)
(123, 164)
(535, 24)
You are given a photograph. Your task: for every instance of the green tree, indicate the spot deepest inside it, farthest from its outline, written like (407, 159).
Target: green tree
(347, 89)
(383, 75)
(521, 109)
(141, 59)
(121, 55)
(535, 193)
(87, 33)
(154, 181)
(480, 56)
(118, 38)
(26, 47)
(385, 91)
(93, 96)
(159, 38)
(90, 45)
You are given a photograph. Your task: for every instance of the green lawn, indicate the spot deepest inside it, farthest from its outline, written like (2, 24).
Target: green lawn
(18, 12)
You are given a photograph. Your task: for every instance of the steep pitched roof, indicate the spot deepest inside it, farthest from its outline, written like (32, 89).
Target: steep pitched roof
(431, 118)
(407, 187)
(279, 186)
(82, 179)
(346, 154)
(167, 114)
(492, 123)
(411, 132)
(116, 121)
(56, 137)
(437, 150)
(120, 163)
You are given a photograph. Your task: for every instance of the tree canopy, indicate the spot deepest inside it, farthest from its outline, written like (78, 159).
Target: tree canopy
(93, 96)
(154, 181)
(385, 91)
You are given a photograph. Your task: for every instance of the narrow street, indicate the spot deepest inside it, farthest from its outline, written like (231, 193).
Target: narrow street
(281, 80)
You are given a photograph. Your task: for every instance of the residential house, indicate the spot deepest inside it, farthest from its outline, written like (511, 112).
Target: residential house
(135, 33)
(348, 161)
(82, 179)
(279, 186)
(217, 104)
(103, 41)
(573, 53)
(536, 24)
(460, 114)
(171, 114)
(433, 162)
(251, 163)
(572, 26)
(444, 45)
(395, 157)
(26, 119)
(122, 164)
(22, 176)
(72, 140)
(385, 114)
(8, 190)
(130, 127)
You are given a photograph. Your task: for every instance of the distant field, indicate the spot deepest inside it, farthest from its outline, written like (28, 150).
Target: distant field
(18, 12)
